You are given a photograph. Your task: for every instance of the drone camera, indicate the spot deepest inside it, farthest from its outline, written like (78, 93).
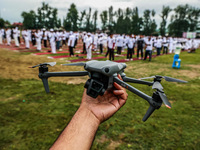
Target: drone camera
(94, 88)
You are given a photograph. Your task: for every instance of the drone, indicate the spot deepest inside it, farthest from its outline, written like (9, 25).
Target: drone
(102, 75)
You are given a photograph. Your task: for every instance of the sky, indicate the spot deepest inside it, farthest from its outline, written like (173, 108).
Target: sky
(11, 9)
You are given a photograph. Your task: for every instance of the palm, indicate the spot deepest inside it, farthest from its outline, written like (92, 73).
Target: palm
(103, 107)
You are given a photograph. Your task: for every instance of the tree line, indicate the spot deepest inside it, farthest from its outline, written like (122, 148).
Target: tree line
(183, 18)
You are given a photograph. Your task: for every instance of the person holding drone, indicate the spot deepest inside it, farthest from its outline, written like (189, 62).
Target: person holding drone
(80, 132)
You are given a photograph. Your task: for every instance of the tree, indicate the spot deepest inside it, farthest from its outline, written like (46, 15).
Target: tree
(88, 22)
(165, 12)
(179, 22)
(193, 18)
(119, 27)
(29, 20)
(70, 23)
(104, 19)
(149, 24)
(83, 13)
(47, 17)
(95, 20)
(2, 23)
(127, 21)
(111, 22)
(136, 22)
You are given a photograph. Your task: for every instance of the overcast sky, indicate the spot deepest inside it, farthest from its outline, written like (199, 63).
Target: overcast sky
(11, 9)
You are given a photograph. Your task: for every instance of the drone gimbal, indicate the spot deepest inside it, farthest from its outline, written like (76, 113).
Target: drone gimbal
(102, 75)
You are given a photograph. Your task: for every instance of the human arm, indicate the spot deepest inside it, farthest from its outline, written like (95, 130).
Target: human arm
(80, 132)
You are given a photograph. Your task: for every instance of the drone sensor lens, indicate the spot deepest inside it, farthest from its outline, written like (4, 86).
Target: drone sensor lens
(107, 70)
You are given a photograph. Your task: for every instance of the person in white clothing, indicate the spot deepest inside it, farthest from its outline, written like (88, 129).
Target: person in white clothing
(111, 46)
(51, 36)
(8, 36)
(71, 43)
(26, 38)
(89, 44)
(1, 37)
(149, 48)
(15, 32)
(84, 38)
(119, 43)
(130, 45)
(158, 45)
(38, 39)
(100, 42)
(165, 45)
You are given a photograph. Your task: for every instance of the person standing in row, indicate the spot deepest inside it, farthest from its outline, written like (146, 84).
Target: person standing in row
(149, 48)
(44, 37)
(8, 36)
(89, 44)
(1, 37)
(140, 45)
(111, 46)
(119, 43)
(158, 45)
(15, 35)
(130, 45)
(71, 43)
(84, 42)
(51, 36)
(165, 45)
(100, 42)
(26, 38)
(38, 40)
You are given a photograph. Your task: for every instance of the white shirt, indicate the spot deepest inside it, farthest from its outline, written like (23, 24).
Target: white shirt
(88, 42)
(111, 43)
(119, 41)
(149, 45)
(51, 36)
(131, 42)
(71, 40)
(159, 43)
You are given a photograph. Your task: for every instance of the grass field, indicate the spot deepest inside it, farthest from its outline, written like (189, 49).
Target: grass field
(32, 119)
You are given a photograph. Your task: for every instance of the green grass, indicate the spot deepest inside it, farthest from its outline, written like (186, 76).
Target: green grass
(32, 119)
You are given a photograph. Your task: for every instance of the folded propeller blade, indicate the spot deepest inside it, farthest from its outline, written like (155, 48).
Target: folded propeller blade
(157, 85)
(49, 63)
(164, 99)
(147, 78)
(75, 64)
(170, 79)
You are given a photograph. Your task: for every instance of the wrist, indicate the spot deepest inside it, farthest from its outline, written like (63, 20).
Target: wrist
(91, 117)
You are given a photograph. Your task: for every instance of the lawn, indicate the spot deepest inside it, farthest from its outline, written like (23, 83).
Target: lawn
(32, 119)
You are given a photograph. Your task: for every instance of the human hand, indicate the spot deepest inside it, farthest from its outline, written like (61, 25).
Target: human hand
(103, 107)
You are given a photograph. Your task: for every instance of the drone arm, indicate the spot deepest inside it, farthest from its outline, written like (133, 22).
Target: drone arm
(153, 104)
(132, 80)
(132, 89)
(63, 74)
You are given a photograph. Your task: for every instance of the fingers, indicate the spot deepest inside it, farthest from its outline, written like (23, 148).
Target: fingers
(119, 76)
(117, 86)
(121, 93)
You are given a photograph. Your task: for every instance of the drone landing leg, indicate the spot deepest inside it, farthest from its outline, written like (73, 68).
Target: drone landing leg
(45, 83)
(148, 113)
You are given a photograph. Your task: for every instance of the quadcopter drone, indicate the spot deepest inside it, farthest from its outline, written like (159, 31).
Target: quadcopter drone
(102, 75)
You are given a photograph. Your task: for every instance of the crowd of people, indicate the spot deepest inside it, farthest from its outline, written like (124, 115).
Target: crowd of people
(114, 43)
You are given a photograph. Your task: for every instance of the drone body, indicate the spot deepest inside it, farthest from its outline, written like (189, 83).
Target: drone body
(102, 75)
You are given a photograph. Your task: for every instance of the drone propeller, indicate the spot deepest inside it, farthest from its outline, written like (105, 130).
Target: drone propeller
(43, 64)
(161, 93)
(75, 64)
(169, 79)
